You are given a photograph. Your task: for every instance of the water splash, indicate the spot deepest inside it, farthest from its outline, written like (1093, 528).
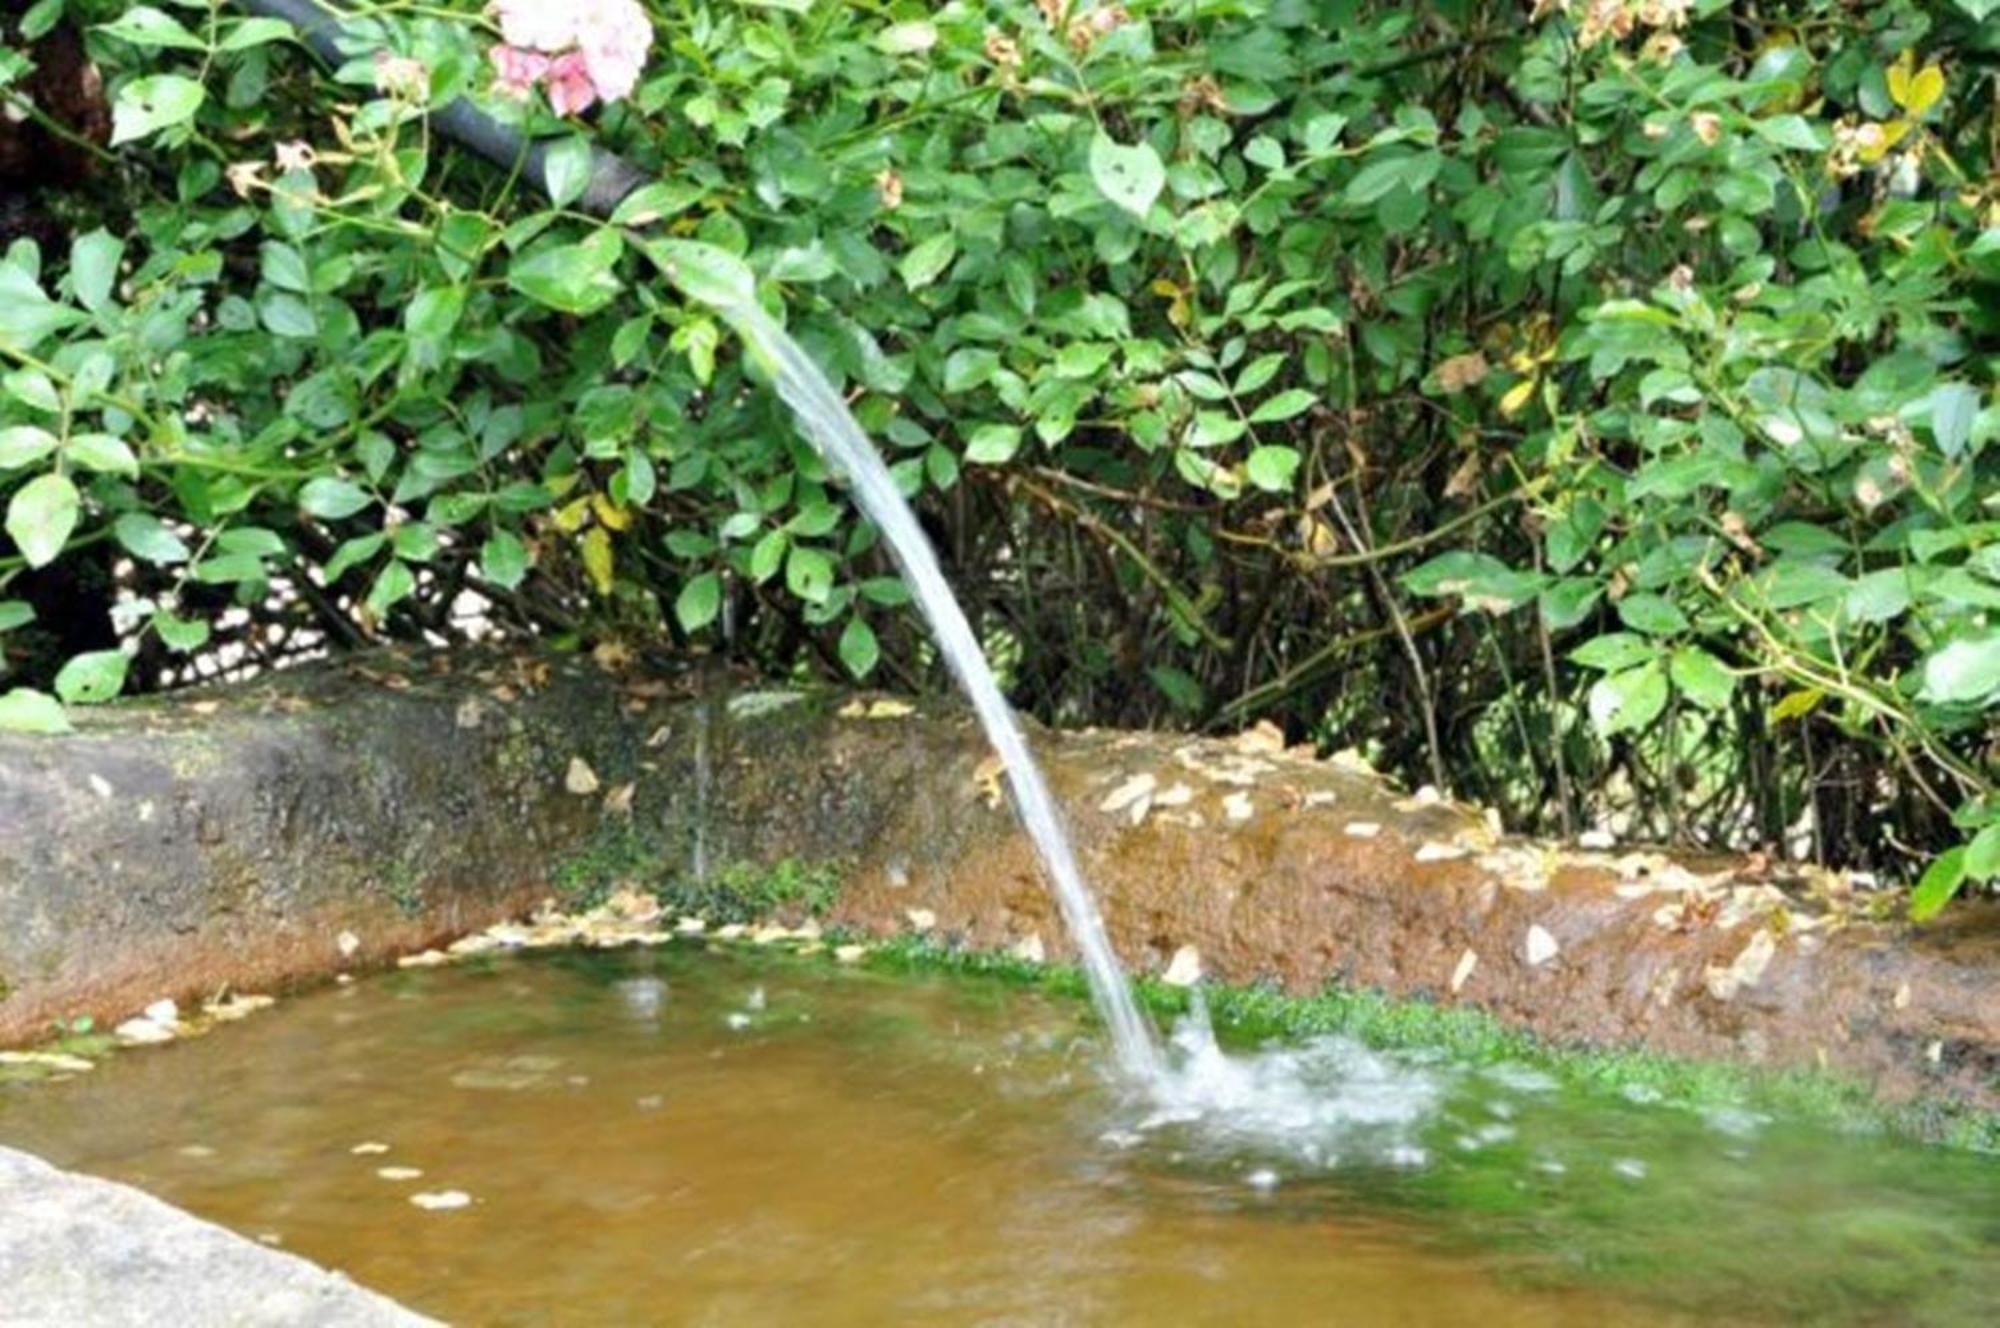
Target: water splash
(1324, 1102)
(828, 425)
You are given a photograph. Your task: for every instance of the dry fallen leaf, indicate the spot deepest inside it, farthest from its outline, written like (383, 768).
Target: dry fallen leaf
(1466, 963)
(579, 779)
(1029, 949)
(1184, 969)
(1237, 807)
(921, 919)
(1541, 947)
(618, 802)
(1138, 786)
(1363, 829)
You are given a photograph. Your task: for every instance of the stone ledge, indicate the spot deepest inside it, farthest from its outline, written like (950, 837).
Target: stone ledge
(75, 1250)
(234, 839)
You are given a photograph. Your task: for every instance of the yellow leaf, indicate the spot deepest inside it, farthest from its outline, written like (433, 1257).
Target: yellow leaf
(570, 518)
(598, 558)
(609, 513)
(1875, 146)
(1925, 91)
(1914, 91)
(1518, 396)
(1796, 705)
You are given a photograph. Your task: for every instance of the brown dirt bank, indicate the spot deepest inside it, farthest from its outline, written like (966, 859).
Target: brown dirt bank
(335, 816)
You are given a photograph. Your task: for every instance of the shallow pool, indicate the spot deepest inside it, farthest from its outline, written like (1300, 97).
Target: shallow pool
(685, 1135)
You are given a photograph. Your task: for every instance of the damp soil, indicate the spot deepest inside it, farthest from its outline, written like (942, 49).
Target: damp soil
(684, 1135)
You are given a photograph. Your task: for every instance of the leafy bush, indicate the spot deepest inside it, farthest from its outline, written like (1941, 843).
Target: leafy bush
(1588, 408)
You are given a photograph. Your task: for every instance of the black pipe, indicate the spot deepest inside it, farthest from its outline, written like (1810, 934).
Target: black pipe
(611, 176)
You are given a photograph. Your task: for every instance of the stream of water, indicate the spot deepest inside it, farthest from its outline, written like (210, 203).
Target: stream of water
(827, 423)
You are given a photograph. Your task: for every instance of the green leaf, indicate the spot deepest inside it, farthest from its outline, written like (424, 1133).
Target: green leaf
(24, 710)
(1628, 701)
(1954, 407)
(1701, 677)
(91, 678)
(148, 539)
(434, 313)
(1982, 855)
(1966, 670)
(331, 499)
(705, 274)
(809, 574)
(147, 105)
(24, 445)
(1131, 177)
(101, 452)
(567, 170)
(1793, 131)
(27, 314)
(1481, 580)
(927, 260)
(33, 389)
(1938, 884)
(1283, 406)
(570, 278)
(503, 559)
(1271, 468)
(250, 32)
(1655, 615)
(143, 25)
(93, 268)
(41, 516)
(992, 444)
(15, 613)
(699, 602)
(1614, 651)
(394, 584)
(858, 648)
(179, 633)
(1879, 597)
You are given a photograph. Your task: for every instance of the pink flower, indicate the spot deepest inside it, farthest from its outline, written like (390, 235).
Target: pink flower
(516, 71)
(598, 48)
(570, 90)
(540, 25)
(614, 36)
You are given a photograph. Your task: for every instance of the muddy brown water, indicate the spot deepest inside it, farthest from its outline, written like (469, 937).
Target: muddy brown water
(684, 1136)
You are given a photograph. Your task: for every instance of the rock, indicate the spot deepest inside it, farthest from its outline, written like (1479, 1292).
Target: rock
(78, 1250)
(1029, 949)
(1237, 807)
(850, 954)
(1363, 829)
(921, 919)
(579, 778)
(1541, 947)
(163, 1012)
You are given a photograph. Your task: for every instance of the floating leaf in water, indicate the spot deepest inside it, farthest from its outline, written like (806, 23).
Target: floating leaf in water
(369, 1148)
(398, 1173)
(437, 1201)
(54, 1061)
